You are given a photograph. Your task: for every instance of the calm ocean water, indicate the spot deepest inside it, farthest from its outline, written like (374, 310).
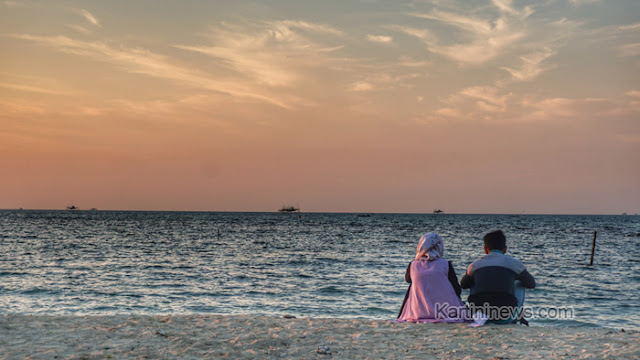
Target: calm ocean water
(323, 265)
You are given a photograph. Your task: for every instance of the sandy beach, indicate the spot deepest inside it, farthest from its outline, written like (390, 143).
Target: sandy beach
(249, 337)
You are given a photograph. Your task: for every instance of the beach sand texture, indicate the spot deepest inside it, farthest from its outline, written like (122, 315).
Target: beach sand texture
(257, 337)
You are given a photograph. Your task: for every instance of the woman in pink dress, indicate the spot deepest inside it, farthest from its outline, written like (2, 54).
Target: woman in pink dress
(434, 291)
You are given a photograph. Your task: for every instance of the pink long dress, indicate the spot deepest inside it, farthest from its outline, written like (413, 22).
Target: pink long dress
(430, 286)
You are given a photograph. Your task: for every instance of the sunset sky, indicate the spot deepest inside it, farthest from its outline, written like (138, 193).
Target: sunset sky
(362, 105)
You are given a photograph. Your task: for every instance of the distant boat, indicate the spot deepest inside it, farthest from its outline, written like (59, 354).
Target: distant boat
(94, 209)
(72, 207)
(288, 209)
(438, 211)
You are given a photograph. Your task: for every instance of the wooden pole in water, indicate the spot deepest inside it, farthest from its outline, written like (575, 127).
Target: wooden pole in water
(593, 247)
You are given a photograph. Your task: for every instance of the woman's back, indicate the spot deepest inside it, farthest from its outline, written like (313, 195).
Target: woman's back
(431, 290)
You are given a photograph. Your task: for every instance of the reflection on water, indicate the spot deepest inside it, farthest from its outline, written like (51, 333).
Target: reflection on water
(325, 265)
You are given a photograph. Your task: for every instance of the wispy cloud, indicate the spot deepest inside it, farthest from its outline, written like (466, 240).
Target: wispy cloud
(272, 54)
(423, 35)
(286, 26)
(21, 107)
(488, 39)
(89, 17)
(560, 107)
(622, 39)
(380, 39)
(630, 49)
(79, 28)
(90, 22)
(506, 6)
(361, 86)
(532, 65)
(487, 98)
(634, 97)
(475, 103)
(141, 61)
(469, 24)
(13, 4)
(491, 36)
(633, 93)
(582, 2)
(412, 63)
(379, 77)
(492, 104)
(449, 112)
(632, 27)
(283, 63)
(481, 39)
(34, 89)
(503, 36)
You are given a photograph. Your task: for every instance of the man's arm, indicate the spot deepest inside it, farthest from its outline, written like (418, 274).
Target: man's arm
(467, 281)
(526, 279)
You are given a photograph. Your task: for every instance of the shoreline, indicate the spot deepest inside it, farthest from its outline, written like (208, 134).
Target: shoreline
(250, 337)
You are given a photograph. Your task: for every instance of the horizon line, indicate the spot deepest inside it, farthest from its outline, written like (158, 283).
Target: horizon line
(323, 212)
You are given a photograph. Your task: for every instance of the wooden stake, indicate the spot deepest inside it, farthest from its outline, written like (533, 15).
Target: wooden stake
(593, 247)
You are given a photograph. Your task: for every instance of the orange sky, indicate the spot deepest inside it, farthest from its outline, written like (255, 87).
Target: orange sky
(499, 107)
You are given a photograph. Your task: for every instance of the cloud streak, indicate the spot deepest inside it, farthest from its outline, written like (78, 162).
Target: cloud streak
(569, 108)
(487, 98)
(500, 38)
(382, 39)
(33, 89)
(511, 40)
(13, 4)
(79, 28)
(273, 55)
(628, 50)
(582, 2)
(633, 93)
(141, 61)
(90, 18)
(532, 65)
(487, 41)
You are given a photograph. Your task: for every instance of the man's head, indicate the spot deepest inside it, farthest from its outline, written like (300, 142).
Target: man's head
(495, 240)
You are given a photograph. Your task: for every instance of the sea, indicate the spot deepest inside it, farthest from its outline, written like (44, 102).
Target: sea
(323, 265)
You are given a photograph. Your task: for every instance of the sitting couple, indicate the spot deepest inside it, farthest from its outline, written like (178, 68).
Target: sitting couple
(496, 281)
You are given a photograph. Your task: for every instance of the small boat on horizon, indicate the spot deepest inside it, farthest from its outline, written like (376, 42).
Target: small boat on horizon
(438, 211)
(72, 207)
(288, 209)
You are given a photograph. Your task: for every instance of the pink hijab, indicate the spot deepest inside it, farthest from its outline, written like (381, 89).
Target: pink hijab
(430, 247)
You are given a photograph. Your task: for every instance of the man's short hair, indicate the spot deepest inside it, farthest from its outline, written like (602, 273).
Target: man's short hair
(495, 240)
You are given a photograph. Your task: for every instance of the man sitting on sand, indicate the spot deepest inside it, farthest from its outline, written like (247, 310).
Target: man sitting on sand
(497, 280)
